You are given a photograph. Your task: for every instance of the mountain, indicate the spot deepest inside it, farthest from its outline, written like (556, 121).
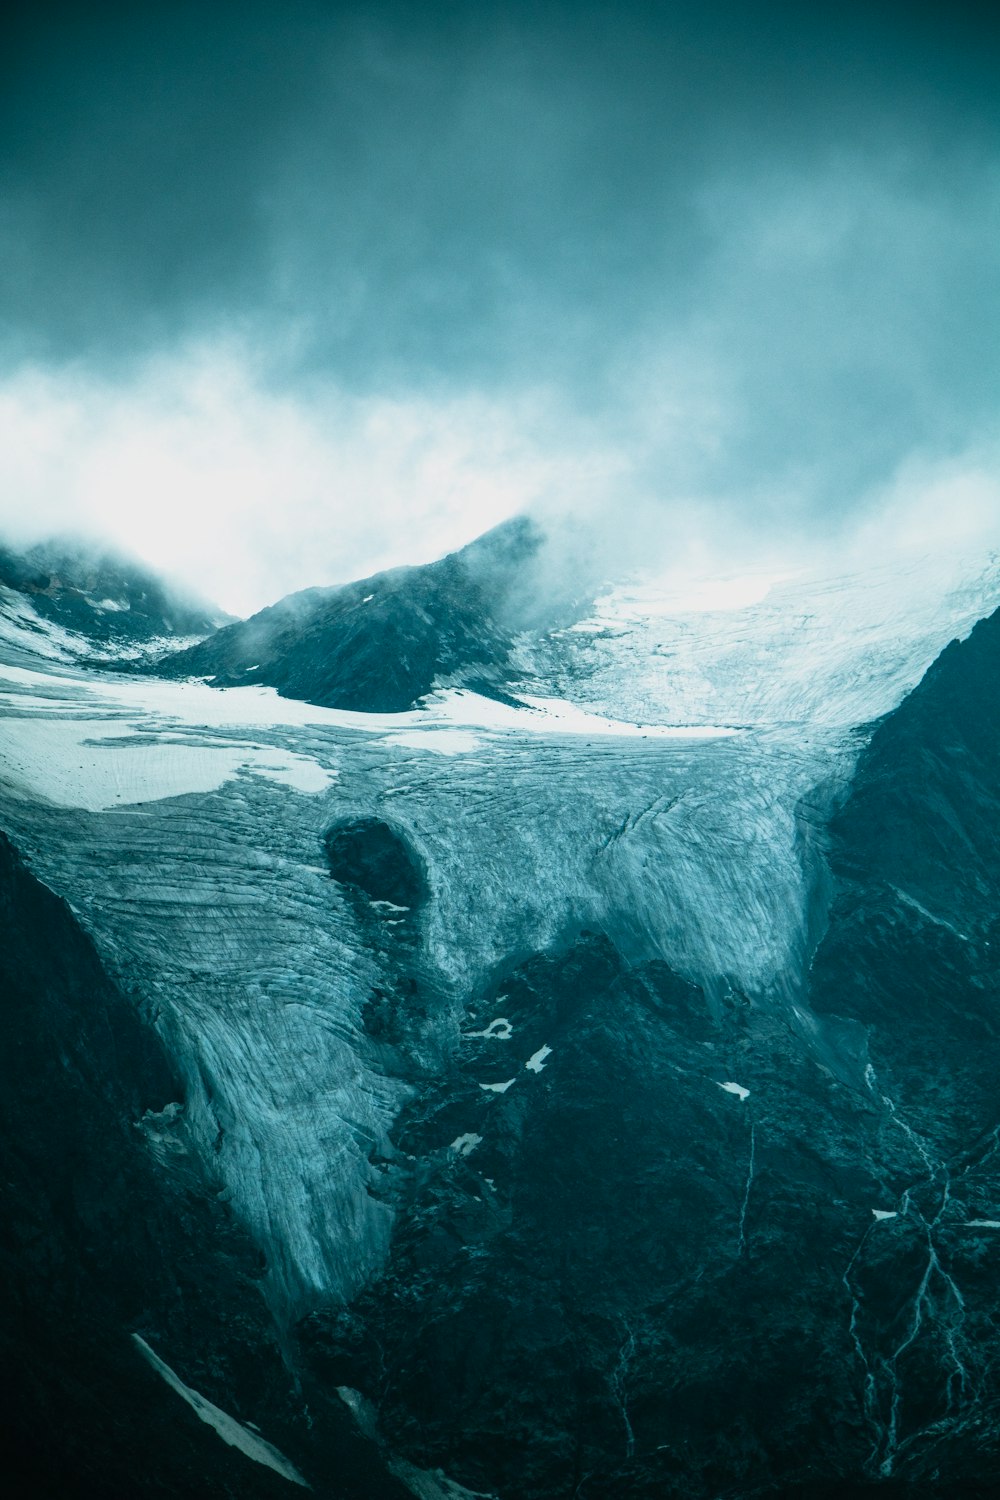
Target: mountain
(586, 1094)
(383, 643)
(69, 598)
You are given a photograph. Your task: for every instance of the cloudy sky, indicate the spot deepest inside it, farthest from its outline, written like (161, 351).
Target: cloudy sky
(294, 291)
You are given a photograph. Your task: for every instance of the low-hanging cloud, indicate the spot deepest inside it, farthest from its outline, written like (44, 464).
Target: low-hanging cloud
(206, 473)
(289, 298)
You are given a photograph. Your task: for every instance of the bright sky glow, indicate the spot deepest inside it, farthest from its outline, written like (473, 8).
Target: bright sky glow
(289, 296)
(246, 493)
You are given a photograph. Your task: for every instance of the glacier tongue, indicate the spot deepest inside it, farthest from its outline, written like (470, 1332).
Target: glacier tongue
(185, 825)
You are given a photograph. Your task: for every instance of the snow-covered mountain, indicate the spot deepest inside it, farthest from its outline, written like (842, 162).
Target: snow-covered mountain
(585, 1061)
(68, 598)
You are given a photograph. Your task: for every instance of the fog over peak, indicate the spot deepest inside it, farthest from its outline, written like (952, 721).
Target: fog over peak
(289, 295)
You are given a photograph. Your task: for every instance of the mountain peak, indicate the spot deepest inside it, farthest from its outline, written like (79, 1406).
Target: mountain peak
(382, 643)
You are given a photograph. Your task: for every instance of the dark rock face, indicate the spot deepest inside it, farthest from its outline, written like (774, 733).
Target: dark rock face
(911, 954)
(381, 644)
(97, 594)
(616, 1288)
(367, 855)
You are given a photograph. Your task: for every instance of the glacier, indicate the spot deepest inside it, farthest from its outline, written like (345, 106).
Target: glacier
(663, 776)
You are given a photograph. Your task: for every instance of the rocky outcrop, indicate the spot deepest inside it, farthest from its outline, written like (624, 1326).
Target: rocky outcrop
(911, 954)
(622, 1234)
(381, 644)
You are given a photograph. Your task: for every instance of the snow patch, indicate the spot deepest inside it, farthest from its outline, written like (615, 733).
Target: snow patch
(915, 905)
(438, 741)
(426, 1484)
(464, 1145)
(498, 1088)
(22, 627)
(735, 1088)
(361, 1409)
(536, 1062)
(299, 772)
(883, 1213)
(499, 1030)
(432, 1484)
(534, 715)
(983, 1224)
(229, 1430)
(100, 764)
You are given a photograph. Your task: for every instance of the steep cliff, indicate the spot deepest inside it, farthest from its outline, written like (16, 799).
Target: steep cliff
(139, 1356)
(678, 1253)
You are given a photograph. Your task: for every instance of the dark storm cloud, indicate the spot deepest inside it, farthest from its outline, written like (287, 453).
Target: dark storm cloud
(757, 243)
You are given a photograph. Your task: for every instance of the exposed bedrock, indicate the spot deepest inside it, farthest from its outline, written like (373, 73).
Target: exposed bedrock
(382, 643)
(366, 855)
(597, 1118)
(612, 1207)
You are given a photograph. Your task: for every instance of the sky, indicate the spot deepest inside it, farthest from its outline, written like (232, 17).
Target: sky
(289, 293)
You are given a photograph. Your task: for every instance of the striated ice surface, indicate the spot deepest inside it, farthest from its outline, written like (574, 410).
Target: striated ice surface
(665, 781)
(793, 649)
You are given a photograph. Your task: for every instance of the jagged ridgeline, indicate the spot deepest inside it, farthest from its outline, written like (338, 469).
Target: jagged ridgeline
(381, 644)
(590, 1094)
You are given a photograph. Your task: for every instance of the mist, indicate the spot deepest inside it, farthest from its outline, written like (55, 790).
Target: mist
(290, 296)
